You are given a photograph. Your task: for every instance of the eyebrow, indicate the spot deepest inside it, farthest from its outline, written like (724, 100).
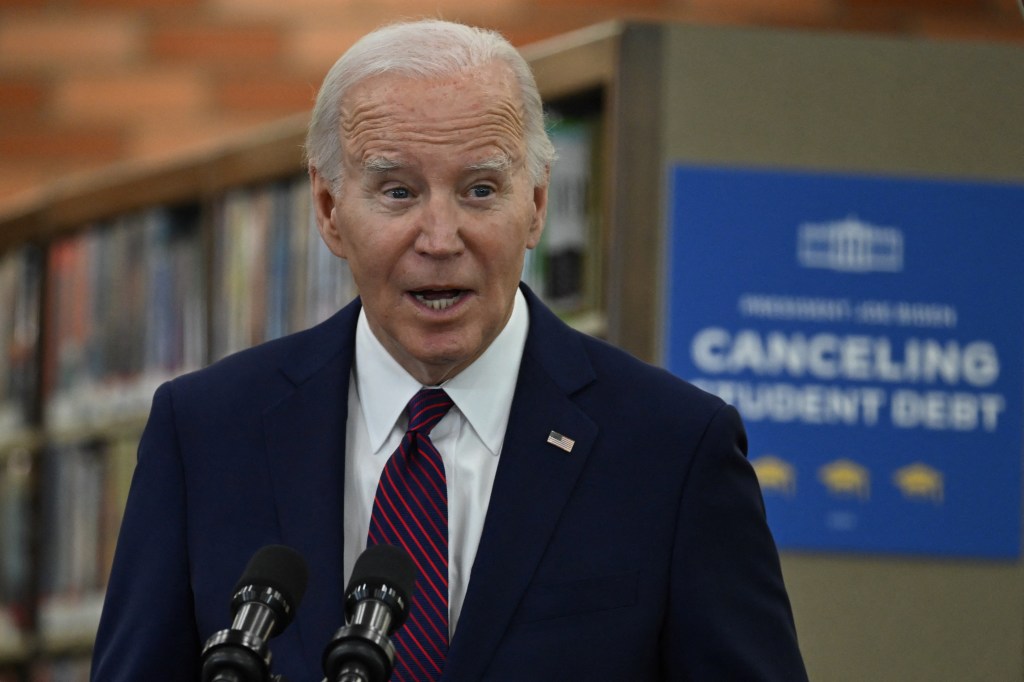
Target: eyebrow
(499, 162)
(380, 164)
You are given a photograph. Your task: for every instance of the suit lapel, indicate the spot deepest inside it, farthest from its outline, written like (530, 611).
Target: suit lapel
(533, 483)
(305, 435)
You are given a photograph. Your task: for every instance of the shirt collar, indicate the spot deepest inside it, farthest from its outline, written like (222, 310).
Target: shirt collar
(482, 392)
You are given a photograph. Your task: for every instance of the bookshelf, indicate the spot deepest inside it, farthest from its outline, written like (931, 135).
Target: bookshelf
(113, 282)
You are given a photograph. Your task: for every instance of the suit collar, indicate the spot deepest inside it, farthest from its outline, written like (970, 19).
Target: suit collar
(557, 348)
(320, 345)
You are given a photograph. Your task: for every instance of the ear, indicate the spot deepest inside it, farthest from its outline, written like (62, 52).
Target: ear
(540, 211)
(325, 206)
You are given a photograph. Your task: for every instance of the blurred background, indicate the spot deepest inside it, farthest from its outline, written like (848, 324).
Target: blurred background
(86, 83)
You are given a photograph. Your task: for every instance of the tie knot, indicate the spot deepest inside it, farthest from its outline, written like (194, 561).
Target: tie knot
(427, 408)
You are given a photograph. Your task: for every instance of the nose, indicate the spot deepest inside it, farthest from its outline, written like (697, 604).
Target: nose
(439, 234)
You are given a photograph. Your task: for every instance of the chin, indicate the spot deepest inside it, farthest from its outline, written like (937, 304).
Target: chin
(443, 360)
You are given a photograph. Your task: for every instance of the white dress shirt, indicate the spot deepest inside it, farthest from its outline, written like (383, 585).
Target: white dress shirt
(469, 439)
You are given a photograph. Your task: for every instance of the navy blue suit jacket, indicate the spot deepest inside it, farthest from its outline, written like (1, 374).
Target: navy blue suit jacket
(642, 554)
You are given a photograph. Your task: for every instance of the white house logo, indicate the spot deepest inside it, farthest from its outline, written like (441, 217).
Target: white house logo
(850, 245)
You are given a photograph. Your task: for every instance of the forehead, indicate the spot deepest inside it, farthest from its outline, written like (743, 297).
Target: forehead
(390, 113)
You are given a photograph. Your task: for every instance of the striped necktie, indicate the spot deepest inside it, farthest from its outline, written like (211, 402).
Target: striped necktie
(410, 510)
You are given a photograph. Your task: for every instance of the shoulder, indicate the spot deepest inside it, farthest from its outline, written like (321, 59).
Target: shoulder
(605, 379)
(650, 392)
(275, 365)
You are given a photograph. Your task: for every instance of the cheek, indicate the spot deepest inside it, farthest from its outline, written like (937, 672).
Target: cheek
(376, 264)
(504, 260)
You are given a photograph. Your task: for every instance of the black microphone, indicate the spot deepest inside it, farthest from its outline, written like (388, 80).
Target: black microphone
(264, 603)
(376, 604)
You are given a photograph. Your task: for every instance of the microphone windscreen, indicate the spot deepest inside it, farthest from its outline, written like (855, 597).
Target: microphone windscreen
(280, 568)
(383, 565)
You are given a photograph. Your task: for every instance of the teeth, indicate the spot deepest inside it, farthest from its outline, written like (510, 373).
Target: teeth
(438, 303)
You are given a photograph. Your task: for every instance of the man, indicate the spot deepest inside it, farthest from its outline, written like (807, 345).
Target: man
(602, 520)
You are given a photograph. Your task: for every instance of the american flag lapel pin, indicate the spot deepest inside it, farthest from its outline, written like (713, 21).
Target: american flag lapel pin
(560, 441)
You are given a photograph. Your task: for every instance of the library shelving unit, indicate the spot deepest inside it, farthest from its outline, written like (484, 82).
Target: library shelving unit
(113, 282)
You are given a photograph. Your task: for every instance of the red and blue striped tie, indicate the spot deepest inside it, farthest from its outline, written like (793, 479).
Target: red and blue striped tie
(410, 510)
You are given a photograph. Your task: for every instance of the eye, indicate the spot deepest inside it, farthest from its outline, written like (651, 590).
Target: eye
(481, 191)
(397, 193)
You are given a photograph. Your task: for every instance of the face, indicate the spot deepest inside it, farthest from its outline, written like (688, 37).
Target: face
(435, 212)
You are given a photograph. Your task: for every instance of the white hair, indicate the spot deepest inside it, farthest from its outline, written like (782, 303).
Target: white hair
(426, 49)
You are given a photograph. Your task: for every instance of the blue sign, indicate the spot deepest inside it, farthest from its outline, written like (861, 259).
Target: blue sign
(870, 330)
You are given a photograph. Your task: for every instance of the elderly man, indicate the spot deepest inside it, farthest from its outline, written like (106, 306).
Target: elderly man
(574, 513)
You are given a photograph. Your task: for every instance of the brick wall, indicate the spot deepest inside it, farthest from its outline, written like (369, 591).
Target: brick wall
(84, 83)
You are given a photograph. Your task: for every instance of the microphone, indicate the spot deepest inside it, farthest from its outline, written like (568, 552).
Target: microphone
(264, 603)
(377, 603)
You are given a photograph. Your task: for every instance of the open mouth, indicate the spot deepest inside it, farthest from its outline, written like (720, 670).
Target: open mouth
(439, 299)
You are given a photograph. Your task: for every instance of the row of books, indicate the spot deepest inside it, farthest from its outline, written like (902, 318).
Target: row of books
(140, 299)
(86, 484)
(272, 274)
(125, 309)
